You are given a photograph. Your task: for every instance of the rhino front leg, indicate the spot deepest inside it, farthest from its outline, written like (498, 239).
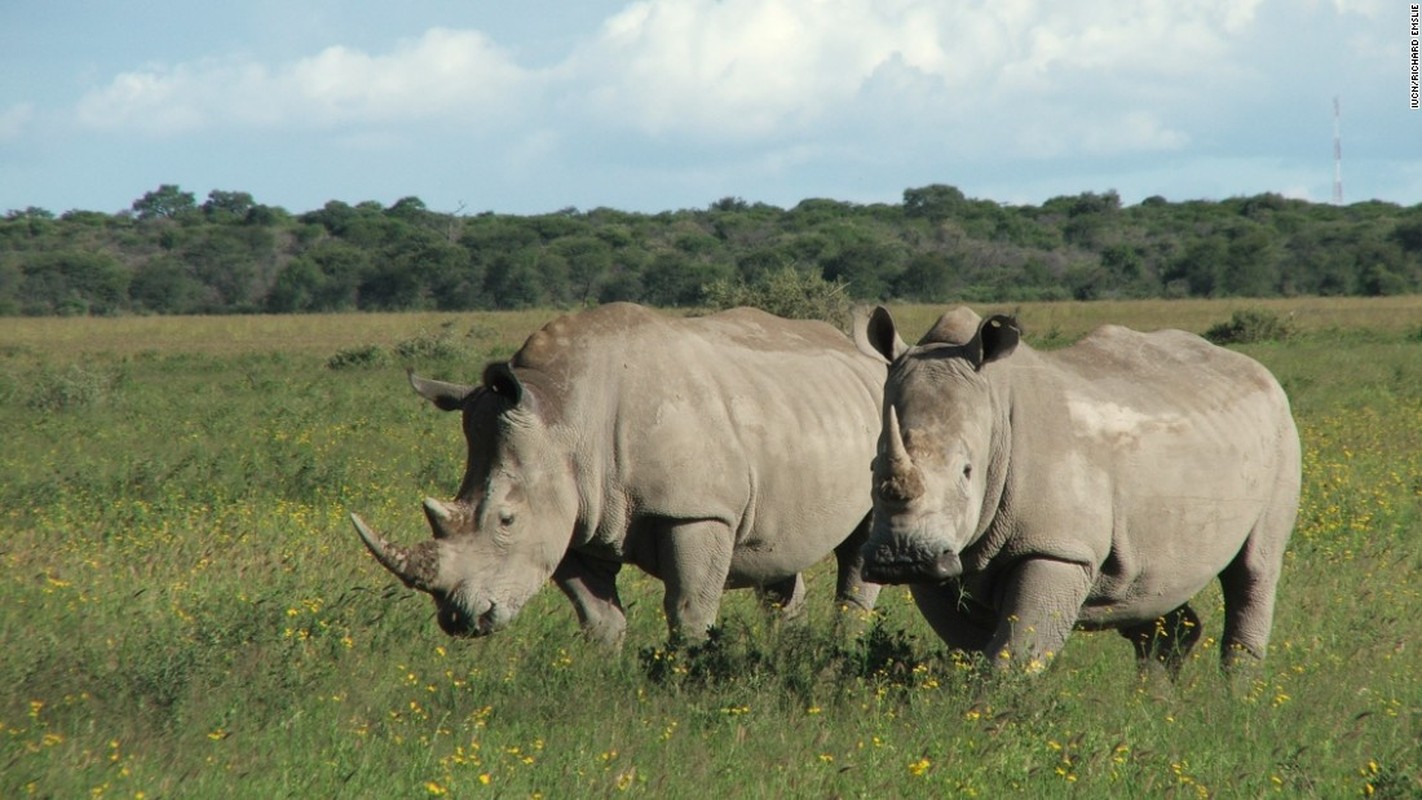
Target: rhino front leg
(591, 584)
(950, 613)
(694, 559)
(1041, 600)
(851, 589)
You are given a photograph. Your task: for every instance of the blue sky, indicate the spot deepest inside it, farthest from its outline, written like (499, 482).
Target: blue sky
(660, 105)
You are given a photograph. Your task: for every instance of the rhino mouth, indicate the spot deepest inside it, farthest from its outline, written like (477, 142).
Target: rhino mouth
(892, 571)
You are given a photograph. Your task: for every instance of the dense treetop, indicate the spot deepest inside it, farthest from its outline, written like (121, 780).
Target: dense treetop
(170, 254)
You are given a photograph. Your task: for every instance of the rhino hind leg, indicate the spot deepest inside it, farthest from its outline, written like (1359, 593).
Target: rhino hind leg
(1248, 585)
(786, 597)
(1167, 640)
(851, 590)
(1250, 581)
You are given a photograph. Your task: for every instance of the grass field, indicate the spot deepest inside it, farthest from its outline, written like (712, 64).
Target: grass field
(185, 611)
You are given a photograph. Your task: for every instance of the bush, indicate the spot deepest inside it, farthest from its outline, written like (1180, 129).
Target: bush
(370, 355)
(794, 661)
(718, 660)
(433, 345)
(75, 387)
(789, 293)
(1251, 325)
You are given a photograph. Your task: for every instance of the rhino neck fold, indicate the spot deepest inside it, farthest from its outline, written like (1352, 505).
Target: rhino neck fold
(597, 511)
(999, 467)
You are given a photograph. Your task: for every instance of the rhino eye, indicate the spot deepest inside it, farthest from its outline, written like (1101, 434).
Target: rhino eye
(506, 518)
(967, 470)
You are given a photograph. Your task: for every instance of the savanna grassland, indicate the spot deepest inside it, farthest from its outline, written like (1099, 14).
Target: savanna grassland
(186, 612)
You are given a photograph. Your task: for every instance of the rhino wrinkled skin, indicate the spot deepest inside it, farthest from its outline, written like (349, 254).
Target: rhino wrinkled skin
(713, 452)
(1020, 494)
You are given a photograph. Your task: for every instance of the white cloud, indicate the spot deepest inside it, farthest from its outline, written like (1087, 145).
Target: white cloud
(1371, 9)
(444, 73)
(1012, 78)
(14, 120)
(1133, 131)
(148, 100)
(749, 69)
(741, 68)
(1063, 133)
(1161, 40)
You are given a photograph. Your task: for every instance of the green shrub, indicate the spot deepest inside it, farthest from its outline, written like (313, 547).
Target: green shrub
(717, 660)
(1251, 325)
(76, 386)
(370, 355)
(437, 345)
(430, 344)
(789, 293)
(793, 661)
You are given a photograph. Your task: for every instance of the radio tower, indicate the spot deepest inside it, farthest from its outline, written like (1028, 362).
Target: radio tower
(1337, 155)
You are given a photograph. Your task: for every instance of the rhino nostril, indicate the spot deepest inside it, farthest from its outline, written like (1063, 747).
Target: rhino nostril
(946, 565)
(453, 621)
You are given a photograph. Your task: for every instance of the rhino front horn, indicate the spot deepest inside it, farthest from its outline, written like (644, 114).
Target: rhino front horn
(904, 481)
(415, 567)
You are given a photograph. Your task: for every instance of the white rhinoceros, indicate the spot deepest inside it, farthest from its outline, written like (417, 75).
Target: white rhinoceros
(1020, 494)
(713, 452)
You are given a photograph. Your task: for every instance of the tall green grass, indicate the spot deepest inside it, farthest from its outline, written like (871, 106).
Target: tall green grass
(184, 610)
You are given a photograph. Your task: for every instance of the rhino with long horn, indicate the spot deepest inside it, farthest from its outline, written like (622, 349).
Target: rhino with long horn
(713, 452)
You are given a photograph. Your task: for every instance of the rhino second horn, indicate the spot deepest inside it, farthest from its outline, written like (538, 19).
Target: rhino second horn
(905, 482)
(415, 568)
(438, 509)
(444, 517)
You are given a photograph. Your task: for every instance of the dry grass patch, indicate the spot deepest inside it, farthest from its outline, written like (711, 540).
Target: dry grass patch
(1070, 320)
(309, 334)
(327, 334)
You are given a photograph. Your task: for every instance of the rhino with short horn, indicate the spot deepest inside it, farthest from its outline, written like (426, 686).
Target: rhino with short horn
(713, 452)
(1021, 494)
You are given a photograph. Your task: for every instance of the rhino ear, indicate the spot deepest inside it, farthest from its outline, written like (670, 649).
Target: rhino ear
(876, 336)
(500, 379)
(445, 396)
(997, 338)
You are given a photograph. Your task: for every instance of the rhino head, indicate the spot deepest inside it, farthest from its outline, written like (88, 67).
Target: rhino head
(934, 475)
(503, 535)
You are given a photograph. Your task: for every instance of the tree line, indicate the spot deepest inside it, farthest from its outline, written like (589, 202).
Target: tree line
(170, 254)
